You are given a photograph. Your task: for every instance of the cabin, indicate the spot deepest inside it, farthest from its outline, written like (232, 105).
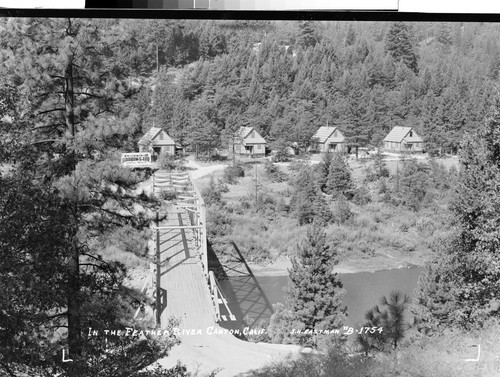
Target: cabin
(403, 139)
(157, 142)
(250, 143)
(328, 139)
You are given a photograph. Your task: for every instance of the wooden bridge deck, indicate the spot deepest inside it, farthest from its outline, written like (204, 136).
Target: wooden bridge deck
(187, 294)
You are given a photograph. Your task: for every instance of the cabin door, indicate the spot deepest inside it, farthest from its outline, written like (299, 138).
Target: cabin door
(156, 153)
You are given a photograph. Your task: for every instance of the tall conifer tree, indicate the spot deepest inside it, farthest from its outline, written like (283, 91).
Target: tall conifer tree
(399, 44)
(339, 177)
(75, 79)
(469, 276)
(315, 293)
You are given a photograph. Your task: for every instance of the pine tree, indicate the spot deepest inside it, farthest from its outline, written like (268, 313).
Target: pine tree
(391, 320)
(339, 177)
(315, 293)
(434, 298)
(304, 194)
(469, 275)
(204, 134)
(444, 37)
(350, 38)
(74, 84)
(413, 183)
(33, 239)
(321, 211)
(379, 167)
(399, 44)
(307, 36)
(477, 210)
(323, 169)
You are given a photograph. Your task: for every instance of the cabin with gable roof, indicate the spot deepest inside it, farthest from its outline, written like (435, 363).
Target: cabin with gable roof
(249, 142)
(328, 139)
(157, 142)
(403, 139)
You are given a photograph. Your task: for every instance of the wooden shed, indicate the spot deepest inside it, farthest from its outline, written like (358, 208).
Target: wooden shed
(157, 142)
(249, 142)
(403, 139)
(328, 139)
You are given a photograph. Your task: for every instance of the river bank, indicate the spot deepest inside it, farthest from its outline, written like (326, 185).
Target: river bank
(351, 265)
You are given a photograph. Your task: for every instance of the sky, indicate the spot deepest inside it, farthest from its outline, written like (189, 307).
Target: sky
(438, 6)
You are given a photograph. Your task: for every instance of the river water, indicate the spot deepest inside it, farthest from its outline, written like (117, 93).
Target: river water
(251, 297)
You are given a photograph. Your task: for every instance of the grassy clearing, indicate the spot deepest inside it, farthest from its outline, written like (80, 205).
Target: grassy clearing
(380, 235)
(394, 163)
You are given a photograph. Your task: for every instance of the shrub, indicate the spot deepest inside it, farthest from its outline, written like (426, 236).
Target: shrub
(297, 165)
(361, 196)
(256, 253)
(267, 205)
(274, 172)
(168, 162)
(179, 370)
(282, 206)
(218, 221)
(408, 247)
(404, 228)
(257, 333)
(222, 185)
(342, 211)
(366, 249)
(212, 193)
(282, 153)
(232, 173)
(281, 325)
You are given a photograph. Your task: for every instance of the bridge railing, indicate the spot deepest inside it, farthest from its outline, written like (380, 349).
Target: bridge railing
(199, 219)
(145, 288)
(214, 293)
(189, 198)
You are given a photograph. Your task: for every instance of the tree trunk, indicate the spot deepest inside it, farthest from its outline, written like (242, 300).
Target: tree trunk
(73, 300)
(73, 293)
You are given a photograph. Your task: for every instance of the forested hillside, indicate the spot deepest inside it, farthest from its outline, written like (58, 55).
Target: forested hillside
(76, 93)
(288, 78)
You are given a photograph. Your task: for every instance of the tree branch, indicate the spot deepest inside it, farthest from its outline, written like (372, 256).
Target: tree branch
(88, 94)
(48, 126)
(51, 110)
(45, 141)
(57, 77)
(111, 212)
(100, 260)
(91, 265)
(54, 316)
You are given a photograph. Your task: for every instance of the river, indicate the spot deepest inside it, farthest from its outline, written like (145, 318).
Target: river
(252, 297)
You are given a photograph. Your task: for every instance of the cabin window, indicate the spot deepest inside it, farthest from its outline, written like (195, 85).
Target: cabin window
(258, 146)
(335, 134)
(252, 134)
(411, 133)
(161, 135)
